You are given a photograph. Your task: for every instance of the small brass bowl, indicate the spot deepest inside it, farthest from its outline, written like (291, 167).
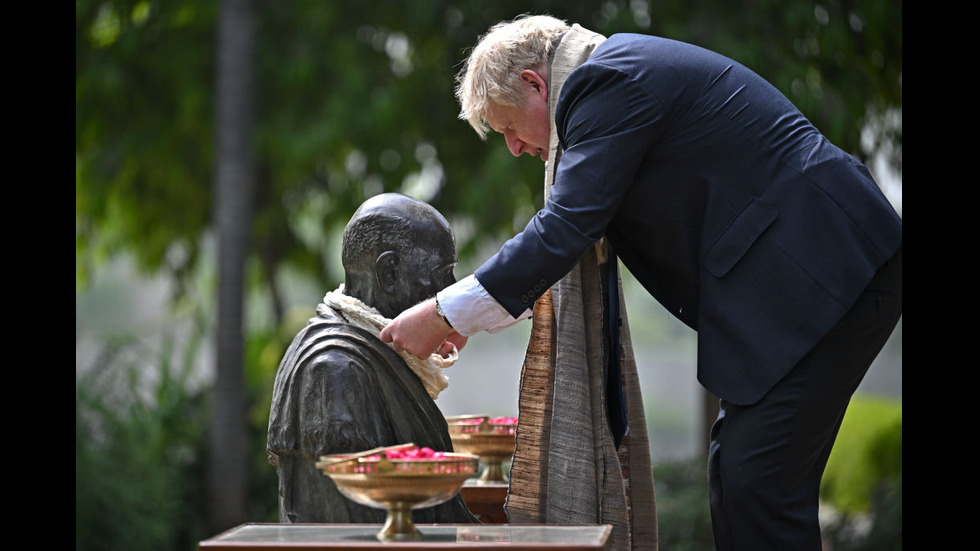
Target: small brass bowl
(494, 442)
(398, 485)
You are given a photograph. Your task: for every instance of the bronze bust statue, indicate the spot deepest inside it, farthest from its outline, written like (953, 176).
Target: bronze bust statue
(339, 389)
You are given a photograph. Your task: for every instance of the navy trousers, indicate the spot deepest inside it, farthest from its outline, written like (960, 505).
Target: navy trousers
(765, 460)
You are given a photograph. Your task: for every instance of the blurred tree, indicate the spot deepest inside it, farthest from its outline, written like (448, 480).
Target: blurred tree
(143, 133)
(355, 98)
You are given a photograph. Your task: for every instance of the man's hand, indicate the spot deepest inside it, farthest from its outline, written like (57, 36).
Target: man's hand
(454, 339)
(421, 332)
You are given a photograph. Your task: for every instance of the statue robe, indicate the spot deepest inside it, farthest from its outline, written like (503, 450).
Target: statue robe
(339, 389)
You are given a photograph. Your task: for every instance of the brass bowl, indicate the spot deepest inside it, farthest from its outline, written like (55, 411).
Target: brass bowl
(494, 442)
(399, 486)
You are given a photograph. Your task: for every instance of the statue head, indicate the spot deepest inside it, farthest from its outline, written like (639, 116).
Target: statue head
(397, 252)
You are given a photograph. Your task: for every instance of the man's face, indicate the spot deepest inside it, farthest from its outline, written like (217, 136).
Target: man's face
(527, 129)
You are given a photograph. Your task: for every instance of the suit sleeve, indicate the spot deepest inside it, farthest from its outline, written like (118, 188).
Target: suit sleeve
(606, 124)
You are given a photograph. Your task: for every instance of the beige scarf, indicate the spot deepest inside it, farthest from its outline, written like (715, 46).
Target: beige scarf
(429, 371)
(566, 468)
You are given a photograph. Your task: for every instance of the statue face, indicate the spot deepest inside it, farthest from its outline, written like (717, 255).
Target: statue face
(427, 268)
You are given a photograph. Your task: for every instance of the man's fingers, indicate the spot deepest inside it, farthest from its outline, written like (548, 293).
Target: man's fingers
(387, 336)
(446, 349)
(457, 339)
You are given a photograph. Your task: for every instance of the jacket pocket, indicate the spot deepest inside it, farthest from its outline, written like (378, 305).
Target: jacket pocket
(741, 233)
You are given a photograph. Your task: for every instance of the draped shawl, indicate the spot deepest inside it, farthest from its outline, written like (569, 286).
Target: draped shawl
(566, 468)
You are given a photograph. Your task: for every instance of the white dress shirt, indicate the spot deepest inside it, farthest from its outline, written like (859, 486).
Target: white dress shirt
(470, 308)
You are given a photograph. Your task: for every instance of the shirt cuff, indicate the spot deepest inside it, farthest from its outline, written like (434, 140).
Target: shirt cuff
(470, 308)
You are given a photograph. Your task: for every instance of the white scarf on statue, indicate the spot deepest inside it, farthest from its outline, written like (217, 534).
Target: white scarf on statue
(429, 371)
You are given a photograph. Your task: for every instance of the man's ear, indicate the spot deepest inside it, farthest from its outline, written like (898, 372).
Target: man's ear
(386, 271)
(536, 81)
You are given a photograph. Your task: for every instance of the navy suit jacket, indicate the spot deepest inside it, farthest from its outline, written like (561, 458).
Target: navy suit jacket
(717, 194)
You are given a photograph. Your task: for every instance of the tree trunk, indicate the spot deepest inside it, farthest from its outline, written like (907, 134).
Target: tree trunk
(227, 484)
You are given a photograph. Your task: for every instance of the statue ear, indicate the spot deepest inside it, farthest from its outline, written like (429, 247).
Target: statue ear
(386, 270)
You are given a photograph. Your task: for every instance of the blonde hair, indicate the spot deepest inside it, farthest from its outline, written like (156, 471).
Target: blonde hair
(491, 73)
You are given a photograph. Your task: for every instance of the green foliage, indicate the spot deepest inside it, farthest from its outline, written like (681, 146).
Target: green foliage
(138, 442)
(867, 453)
(143, 131)
(140, 448)
(683, 515)
(886, 532)
(863, 479)
(849, 531)
(355, 98)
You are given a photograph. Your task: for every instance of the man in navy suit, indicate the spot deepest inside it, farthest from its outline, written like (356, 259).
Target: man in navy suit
(729, 207)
